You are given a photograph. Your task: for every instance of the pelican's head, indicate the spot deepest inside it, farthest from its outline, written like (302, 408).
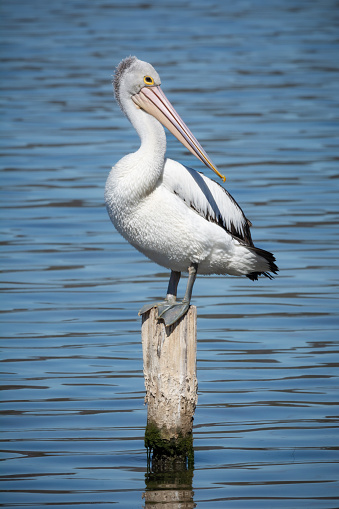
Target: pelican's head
(131, 76)
(139, 82)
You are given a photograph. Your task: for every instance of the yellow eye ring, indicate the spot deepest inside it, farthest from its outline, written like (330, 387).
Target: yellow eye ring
(148, 80)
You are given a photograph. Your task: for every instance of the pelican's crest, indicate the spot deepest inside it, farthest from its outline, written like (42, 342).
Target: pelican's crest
(120, 70)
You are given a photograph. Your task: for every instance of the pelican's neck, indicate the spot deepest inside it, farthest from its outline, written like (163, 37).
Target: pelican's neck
(150, 157)
(137, 174)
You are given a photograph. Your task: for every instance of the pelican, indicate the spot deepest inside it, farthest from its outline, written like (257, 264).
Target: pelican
(174, 215)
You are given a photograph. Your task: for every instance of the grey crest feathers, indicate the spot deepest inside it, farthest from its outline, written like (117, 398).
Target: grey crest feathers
(119, 72)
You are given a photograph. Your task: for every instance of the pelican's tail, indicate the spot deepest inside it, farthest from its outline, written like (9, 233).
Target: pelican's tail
(270, 262)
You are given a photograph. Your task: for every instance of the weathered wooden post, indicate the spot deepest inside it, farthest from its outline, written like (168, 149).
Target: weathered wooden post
(169, 355)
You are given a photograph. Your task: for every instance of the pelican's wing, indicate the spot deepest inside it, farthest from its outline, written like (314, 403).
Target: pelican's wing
(209, 199)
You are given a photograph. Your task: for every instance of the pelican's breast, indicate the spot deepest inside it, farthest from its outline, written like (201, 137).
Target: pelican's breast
(162, 226)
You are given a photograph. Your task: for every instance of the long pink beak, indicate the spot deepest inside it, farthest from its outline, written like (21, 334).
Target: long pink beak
(153, 101)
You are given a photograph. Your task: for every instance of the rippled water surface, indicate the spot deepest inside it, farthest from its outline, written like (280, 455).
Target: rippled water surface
(258, 84)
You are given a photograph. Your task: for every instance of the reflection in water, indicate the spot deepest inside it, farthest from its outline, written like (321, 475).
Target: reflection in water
(171, 489)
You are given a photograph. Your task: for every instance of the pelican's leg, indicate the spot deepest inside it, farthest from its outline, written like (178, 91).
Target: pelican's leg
(170, 297)
(177, 309)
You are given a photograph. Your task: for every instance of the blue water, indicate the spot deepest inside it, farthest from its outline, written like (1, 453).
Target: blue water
(258, 84)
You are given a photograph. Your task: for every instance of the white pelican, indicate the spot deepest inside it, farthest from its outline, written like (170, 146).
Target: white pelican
(174, 215)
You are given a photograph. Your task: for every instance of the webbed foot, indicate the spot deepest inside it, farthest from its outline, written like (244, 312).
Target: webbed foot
(162, 306)
(173, 312)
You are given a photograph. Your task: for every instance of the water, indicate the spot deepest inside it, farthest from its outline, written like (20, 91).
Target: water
(257, 82)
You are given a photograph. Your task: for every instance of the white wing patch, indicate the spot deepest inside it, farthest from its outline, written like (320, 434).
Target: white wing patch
(209, 199)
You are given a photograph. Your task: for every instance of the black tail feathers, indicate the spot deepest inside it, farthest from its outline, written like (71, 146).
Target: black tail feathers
(270, 258)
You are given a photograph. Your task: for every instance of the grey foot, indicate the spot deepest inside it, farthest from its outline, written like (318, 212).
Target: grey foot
(162, 306)
(174, 312)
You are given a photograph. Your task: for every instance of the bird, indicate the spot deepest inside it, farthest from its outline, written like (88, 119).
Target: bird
(176, 216)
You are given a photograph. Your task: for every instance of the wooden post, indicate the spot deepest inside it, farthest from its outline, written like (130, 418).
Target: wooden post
(169, 355)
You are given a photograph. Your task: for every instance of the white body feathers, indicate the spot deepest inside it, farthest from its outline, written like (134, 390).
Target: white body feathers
(174, 222)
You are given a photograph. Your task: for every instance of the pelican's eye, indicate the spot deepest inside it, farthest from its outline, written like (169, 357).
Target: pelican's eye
(148, 80)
